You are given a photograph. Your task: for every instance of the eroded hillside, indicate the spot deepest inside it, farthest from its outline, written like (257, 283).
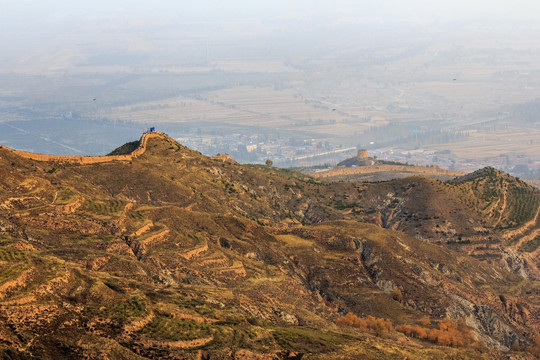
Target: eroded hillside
(172, 254)
(487, 214)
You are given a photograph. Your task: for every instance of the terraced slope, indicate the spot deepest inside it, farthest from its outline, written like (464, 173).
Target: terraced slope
(487, 214)
(176, 255)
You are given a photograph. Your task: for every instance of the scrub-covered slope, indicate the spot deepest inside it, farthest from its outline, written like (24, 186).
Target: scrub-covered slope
(176, 255)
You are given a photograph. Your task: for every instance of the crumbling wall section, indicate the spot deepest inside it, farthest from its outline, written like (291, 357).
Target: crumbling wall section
(396, 168)
(83, 160)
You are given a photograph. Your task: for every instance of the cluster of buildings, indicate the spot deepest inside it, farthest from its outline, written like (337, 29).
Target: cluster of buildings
(291, 151)
(282, 150)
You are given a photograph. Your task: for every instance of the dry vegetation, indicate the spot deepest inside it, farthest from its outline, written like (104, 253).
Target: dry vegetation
(449, 333)
(175, 252)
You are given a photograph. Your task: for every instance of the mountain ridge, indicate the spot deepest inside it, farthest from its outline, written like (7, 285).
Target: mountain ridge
(135, 152)
(175, 254)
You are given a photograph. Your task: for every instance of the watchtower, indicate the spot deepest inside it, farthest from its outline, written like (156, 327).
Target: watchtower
(362, 154)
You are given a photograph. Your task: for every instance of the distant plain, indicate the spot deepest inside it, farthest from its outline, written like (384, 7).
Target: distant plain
(468, 94)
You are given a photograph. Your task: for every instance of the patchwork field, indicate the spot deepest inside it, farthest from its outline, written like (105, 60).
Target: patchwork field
(491, 144)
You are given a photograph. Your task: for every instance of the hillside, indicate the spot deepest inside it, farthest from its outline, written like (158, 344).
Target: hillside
(385, 172)
(172, 254)
(486, 214)
(363, 167)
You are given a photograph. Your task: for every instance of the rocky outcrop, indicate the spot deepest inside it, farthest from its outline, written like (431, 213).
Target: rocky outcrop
(369, 261)
(512, 262)
(492, 330)
(225, 158)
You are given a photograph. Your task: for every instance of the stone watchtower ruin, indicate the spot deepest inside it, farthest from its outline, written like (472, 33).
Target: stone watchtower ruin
(363, 158)
(362, 155)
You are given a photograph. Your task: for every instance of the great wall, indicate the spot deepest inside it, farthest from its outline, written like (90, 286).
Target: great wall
(83, 160)
(363, 164)
(413, 169)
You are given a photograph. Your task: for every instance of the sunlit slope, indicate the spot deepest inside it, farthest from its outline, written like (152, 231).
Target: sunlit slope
(174, 252)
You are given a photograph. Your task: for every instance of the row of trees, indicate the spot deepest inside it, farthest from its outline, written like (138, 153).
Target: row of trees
(448, 333)
(380, 326)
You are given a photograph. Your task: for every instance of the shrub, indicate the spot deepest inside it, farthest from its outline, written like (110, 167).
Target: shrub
(396, 294)
(515, 346)
(535, 348)
(425, 320)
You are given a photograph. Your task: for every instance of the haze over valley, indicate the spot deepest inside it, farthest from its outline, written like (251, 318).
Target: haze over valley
(302, 88)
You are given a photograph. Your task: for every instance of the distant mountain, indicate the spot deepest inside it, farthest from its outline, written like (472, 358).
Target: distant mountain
(172, 254)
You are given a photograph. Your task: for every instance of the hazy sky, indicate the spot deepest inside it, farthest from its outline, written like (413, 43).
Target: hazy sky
(29, 27)
(65, 38)
(23, 11)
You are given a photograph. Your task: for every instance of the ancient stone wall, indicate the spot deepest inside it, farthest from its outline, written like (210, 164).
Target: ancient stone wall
(91, 159)
(396, 168)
